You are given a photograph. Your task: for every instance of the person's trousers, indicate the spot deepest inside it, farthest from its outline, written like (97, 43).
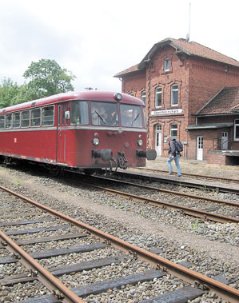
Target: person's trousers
(176, 160)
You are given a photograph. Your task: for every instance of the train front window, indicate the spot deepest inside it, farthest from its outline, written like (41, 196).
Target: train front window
(79, 113)
(131, 116)
(104, 113)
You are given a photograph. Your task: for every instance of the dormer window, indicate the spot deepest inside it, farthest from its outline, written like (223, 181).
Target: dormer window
(167, 65)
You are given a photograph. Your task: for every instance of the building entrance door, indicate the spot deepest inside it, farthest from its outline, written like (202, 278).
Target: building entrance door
(200, 148)
(224, 140)
(158, 139)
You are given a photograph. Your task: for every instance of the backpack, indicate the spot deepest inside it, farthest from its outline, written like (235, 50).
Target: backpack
(178, 146)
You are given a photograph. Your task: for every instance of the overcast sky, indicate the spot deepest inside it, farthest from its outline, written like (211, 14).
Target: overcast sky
(95, 39)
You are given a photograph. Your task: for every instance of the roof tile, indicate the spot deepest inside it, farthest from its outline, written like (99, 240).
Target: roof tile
(225, 102)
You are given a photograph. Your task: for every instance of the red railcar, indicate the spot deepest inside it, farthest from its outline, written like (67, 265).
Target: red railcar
(87, 130)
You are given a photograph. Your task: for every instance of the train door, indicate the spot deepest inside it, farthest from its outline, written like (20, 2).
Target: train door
(224, 140)
(158, 139)
(199, 148)
(63, 122)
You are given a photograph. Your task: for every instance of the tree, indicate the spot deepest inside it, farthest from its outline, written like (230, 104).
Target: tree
(47, 78)
(8, 92)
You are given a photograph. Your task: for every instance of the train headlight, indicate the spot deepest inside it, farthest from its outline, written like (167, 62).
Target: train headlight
(118, 96)
(140, 142)
(96, 141)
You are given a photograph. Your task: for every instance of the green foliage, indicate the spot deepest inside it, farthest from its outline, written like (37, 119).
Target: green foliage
(8, 93)
(47, 78)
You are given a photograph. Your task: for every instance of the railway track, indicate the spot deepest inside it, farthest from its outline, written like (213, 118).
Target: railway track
(197, 176)
(187, 182)
(206, 211)
(28, 227)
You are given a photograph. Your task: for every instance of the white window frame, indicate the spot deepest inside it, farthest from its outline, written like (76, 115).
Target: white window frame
(236, 129)
(167, 65)
(143, 96)
(158, 96)
(174, 128)
(174, 89)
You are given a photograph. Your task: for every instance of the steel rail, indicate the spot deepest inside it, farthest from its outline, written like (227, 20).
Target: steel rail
(226, 291)
(192, 175)
(179, 181)
(48, 279)
(169, 191)
(186, 210)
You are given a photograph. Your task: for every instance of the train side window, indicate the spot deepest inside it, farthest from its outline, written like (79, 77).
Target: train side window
(48, 115)
(9, 121)
(2, 120)
(25, 118)
(35, 117)
(16, 120)
(79, 113)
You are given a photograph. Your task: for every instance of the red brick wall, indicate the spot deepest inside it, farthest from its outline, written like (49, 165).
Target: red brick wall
(134, 83)
(216, 158)
(205, 80)
(198, 80)
(155, 76)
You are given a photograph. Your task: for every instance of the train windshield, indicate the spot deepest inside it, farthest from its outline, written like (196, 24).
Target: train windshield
(131, 116)
(104, 113)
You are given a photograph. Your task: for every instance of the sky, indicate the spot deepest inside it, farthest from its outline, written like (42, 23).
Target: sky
(96, 39)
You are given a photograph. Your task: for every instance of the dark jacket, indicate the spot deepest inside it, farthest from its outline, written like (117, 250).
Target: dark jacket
(172, 148)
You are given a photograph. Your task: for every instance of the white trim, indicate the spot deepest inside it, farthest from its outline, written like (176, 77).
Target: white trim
(236, 125)
(86, 127)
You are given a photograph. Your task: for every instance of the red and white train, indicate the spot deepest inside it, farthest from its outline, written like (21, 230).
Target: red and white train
(87, 130)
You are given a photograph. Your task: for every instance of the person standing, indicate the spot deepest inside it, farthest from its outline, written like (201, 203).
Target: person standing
(173, 154)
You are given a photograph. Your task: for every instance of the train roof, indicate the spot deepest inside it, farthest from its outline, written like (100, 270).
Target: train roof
(84, 95)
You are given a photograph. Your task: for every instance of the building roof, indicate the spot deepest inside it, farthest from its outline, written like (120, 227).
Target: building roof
(190, 48)
(209, 126)
(226, 101)
(129, 70)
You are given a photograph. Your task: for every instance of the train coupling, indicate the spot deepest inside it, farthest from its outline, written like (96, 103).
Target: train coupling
(122, 162)
(107, 155)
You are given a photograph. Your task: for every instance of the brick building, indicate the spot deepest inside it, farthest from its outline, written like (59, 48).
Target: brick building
(191, 92)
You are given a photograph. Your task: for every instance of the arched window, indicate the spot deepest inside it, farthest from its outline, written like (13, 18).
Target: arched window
(158, 96)
(174, 95)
